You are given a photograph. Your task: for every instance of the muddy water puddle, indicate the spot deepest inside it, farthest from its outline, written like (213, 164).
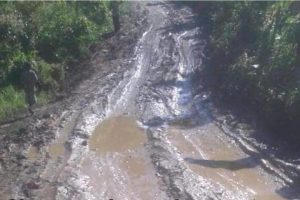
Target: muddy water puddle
(33, 153)
(117, 134)
(118, 165)
(56, 150)
(210, 157)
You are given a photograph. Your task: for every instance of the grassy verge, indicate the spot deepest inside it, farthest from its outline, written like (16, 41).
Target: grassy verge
(11, 101)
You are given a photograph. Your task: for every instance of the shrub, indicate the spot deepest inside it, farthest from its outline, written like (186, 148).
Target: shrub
(49, 34)
(253, 49)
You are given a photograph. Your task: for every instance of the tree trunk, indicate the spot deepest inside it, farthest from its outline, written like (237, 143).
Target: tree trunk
(115, 15)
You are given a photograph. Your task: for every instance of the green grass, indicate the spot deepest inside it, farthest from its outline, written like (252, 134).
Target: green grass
(43, 98)
(11, 101)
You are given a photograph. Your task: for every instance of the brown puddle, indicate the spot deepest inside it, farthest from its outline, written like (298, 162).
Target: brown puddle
(222, 164)
(56, 149)
(134, 166)
(33, 153)
(117, 134)
(121, 168)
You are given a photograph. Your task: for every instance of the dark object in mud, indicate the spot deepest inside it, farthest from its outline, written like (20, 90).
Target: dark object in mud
(84, 143)
(16, 199)
(155, 121)
(27, 187)
(32, 185)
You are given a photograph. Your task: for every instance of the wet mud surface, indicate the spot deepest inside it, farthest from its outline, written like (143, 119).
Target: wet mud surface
(221, 162)
(141, 128)
(118, 164)
(117, 134)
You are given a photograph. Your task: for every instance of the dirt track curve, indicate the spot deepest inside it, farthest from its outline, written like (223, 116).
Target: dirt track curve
(140, 128)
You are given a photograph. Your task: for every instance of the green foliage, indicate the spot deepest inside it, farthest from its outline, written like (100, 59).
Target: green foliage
(66, 29)
(11, 101)
(47, 34)
(124, 8)
(254, 52)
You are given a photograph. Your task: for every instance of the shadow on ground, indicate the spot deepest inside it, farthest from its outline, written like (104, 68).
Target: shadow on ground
(232, 165)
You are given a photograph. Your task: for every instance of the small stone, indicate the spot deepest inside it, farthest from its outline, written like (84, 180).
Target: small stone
(84, 143)
(20, 157)
(46, 115)
(32, 185)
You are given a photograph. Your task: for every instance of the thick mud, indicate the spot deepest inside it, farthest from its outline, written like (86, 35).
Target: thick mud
(140, 129)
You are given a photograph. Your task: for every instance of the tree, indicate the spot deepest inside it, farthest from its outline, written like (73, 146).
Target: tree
(115, 15)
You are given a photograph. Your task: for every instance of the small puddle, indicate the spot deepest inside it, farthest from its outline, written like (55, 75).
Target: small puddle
(117, 134)
(212, 158)
(33, 153)
(56, 149)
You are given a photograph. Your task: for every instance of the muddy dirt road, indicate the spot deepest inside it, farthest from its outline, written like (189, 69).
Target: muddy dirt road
(142, 130)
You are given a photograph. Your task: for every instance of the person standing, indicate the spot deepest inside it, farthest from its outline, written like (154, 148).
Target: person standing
(29, 81)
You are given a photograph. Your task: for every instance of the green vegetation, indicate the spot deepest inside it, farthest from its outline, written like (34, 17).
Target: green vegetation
(10, 101)
(49, 34)
(253, 50)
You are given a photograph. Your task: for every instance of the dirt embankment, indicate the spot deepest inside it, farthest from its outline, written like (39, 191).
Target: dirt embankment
(23, 148)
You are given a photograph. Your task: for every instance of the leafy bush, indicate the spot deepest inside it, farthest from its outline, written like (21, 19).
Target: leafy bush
(65, 29)
(253, 49)
(49, 34)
